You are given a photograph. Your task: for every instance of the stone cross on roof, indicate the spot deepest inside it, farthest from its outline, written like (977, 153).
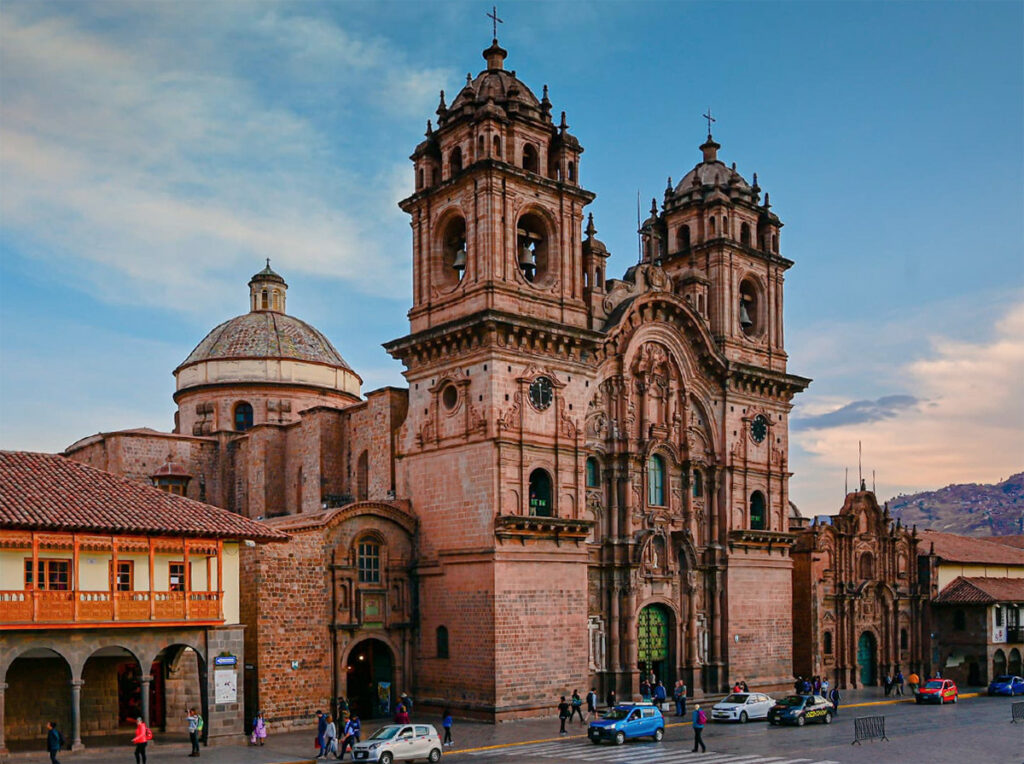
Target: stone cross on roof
(709, 118)
(493, 16)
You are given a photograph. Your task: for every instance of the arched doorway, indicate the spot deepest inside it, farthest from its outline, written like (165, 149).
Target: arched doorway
(111, 694)
(179, 682)
(998, 664)
(38, 691)
(654, 644)
(370, 675)
(867, 651)
(1014, 666)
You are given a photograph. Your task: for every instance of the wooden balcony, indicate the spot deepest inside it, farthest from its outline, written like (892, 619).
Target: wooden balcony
(28, 608)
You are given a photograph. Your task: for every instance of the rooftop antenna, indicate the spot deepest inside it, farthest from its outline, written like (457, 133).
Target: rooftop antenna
(860, 471)
(873, 483)
(846, 483)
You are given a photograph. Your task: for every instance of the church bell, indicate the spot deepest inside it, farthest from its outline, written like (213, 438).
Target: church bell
(745, 321)
(526, 262)
(459, 262)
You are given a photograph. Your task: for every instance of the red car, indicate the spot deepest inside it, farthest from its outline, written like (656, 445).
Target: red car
(937, 691)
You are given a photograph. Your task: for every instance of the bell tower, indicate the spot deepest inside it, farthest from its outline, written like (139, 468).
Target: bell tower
(497, 362)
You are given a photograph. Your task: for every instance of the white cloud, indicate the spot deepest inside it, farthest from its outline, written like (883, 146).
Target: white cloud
(150, 162)
(967, 428)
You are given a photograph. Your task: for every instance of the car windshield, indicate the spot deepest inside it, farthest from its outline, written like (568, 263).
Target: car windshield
(934, 684)
(385, 733)
(793, 701)
(1003, 678)
(736, 698)
(617, 714)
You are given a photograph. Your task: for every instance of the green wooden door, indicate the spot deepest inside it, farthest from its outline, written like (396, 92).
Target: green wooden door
(866, 658)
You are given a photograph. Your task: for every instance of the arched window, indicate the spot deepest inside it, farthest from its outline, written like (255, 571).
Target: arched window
(593, 473)
(698, 484)
(362, 476)
(683, 238)
(904, 640)
(572, 172)
(745, 234)
(700, 304)
(959, 620)
(599, 279)
(530, 158)
(775, 244)
(243, 416)
(480, 147)
(867, 566)
(497, 147)
(712, 225)
(533, 251)
(442, 641)
(419, 179)
(455, 161)
(540, 493)
(750, 319)
(656, 480)
(265, 299)
(277, 299)
(1014, 666)
(454, 255)
(758, 518)
(368, 562)
(828, 642)
(998, 664)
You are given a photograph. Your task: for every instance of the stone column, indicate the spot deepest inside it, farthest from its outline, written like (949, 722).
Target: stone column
(630, 645)
(76, 715)
(3, 744)
(145, 680)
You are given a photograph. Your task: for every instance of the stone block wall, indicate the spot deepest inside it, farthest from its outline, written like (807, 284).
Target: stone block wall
(100, 708)
(760, 614)
(38, 690)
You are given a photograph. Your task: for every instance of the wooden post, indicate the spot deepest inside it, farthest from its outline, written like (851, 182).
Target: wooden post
(35, 576)
(152, 575)
(113, 574)
(220, 579)
(188, 577)
(74, 576)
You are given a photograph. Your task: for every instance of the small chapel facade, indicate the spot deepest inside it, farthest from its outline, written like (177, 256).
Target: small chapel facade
(585, 481)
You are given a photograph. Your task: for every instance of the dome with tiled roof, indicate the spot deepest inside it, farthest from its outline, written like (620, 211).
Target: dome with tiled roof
(292, 363)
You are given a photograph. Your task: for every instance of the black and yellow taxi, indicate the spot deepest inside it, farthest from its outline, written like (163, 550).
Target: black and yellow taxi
(801, 709)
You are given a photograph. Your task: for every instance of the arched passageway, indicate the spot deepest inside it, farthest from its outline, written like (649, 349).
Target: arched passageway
(867, 659)
(370, 672)
(179, 682)
(111, 698)
(38, 690)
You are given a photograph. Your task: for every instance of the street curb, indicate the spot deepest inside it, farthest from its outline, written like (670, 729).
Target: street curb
(674, 724)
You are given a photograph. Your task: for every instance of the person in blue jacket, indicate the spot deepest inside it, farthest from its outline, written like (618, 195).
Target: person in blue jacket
(54, 741)
(446, 722)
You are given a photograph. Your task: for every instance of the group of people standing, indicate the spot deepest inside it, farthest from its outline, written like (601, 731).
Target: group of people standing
(328, 739)
(818, 686)
(893, 685)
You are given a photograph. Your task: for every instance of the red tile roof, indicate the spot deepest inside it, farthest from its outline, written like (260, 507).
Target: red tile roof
(954, 548)
(50, 492)
(1017, 541)
(982, 591)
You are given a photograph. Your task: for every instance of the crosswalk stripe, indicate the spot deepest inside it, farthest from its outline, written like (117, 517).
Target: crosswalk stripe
(643, 754)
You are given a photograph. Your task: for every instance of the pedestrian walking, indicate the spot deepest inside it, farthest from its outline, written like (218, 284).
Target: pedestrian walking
(563, 714)
(195, 726)
(592, 704)
(330, 737)
(576, 706)
(899, 683)
(143, 735)
(401, 714)
(679, 696)
(824, 687)
(835, 698)
(699, 720)
(259, 729)
(645, 690)
(54, 741)
(407, 702)
(321, 732)
(660, 695)
(913, 681)
(446, 722)
(350, 736)
(887, 684)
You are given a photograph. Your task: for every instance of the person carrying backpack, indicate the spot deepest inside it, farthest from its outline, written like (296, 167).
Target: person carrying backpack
(577, 706)
(699, 720)
(143, 734)
(54, 741)
(195, 728)
(592, 704)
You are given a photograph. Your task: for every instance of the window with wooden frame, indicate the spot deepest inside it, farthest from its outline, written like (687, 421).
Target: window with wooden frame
(125, 579)
(53, 575)
(368, 562)
(176, 576)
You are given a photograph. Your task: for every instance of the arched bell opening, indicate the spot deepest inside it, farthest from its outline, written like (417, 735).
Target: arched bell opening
(751, 310)
(454, 254)
(533, 248)
(540, 494)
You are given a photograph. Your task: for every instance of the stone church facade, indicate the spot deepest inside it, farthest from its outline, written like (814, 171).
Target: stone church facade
(585, 480)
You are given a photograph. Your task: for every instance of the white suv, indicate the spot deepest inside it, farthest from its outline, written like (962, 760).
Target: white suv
(400, 742)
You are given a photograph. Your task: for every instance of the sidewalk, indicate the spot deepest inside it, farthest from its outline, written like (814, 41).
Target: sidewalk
(297, 747)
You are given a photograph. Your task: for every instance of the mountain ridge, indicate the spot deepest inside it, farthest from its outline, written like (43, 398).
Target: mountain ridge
(970, 509)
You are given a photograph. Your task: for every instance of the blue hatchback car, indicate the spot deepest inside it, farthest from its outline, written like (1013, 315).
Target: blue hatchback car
(627, 721)
(1007, 684)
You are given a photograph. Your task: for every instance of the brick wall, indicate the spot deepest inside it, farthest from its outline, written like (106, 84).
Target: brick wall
(38, 690)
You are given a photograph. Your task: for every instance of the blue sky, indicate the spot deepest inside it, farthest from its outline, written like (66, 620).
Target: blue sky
(152, 154)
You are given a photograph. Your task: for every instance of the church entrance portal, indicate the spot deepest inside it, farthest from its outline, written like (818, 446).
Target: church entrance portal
(654, 653)
(866, 651)
(370, 671)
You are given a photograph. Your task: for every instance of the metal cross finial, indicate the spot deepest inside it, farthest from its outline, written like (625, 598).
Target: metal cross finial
(493, 16)
(709, 118)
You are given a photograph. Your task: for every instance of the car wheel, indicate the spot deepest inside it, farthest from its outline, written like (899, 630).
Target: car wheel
(828, 718)
(800, 721)
(435, 756)
(954, 698)
(658, 735)
(917, 700)
(386, 758)
(942, 700)
(620, 738)
(743, 717)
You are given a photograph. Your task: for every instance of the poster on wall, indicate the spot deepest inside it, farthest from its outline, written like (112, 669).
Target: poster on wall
(225, 683)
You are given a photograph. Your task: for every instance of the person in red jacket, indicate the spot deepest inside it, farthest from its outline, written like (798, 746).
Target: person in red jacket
(401, 715)
(143, 735)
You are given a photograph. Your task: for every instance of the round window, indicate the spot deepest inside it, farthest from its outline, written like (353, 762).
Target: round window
(450, 397)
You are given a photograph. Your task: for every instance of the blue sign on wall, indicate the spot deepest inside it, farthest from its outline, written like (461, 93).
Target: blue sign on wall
(225, 660)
